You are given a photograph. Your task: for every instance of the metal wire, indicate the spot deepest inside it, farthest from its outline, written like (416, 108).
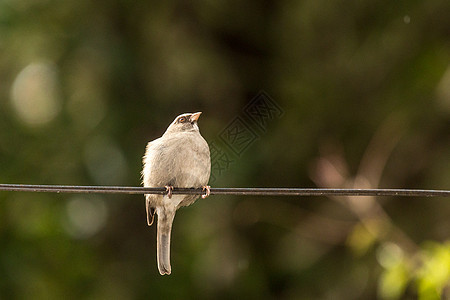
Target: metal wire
(225, 191)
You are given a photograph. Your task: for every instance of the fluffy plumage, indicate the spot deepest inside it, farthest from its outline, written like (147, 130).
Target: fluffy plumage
(179, 158)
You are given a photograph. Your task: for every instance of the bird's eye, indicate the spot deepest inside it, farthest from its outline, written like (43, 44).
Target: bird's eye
(182, 119)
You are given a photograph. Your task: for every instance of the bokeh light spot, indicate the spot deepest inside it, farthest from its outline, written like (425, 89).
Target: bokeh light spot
(35, 94)
(85, 216)
(105, 161)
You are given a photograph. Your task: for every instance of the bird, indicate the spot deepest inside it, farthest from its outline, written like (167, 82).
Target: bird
(179, 158)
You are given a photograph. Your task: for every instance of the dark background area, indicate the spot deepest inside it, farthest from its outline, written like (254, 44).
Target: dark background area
(362, 91)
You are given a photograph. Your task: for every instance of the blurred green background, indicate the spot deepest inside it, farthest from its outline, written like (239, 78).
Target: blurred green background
(364, 87)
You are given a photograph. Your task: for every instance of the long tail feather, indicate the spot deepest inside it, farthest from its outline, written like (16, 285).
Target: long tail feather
(165, 219)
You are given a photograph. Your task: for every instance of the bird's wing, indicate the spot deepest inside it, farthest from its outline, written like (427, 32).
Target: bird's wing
(150, 211)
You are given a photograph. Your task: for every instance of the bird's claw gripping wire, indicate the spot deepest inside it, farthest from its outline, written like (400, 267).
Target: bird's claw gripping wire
(169, 190)
(207, 190)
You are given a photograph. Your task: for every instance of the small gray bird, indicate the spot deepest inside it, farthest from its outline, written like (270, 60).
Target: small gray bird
(180, 158)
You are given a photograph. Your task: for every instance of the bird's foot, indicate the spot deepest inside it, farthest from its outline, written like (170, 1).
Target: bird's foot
(207, 190)
(169, 190)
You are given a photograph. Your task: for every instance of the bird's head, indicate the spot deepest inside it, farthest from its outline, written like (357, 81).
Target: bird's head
(184, 123)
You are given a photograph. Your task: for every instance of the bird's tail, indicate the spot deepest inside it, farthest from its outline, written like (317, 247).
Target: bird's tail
(165, 219)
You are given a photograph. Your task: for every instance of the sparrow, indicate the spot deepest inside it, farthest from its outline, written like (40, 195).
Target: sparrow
(179, 158)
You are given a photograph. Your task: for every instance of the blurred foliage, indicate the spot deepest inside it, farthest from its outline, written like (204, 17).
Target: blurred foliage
(365, 91)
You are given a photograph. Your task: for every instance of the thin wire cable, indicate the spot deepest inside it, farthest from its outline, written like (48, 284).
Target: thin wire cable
(224, 191)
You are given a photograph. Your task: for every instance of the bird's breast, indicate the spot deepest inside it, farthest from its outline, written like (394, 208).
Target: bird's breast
(180, 160)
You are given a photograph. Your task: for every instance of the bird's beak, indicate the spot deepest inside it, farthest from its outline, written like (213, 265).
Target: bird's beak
(194, 117)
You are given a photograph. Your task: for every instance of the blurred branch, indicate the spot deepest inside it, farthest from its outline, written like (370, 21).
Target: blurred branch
(332, 169)
(379, 150)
